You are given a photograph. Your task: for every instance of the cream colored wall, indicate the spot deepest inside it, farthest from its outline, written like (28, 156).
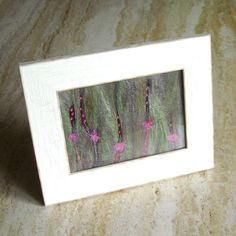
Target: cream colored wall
(198, 204)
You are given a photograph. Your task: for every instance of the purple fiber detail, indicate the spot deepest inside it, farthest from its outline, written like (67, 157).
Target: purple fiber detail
(94, 136)
(119, 147)
(147, 124)
(172, 137)
(73, 137)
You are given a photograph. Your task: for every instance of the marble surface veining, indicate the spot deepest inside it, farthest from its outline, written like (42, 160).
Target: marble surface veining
(198, 204)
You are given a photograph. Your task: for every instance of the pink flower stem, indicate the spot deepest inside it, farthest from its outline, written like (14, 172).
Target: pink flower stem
(147, 104)
(96, 156)
(119, 146)
(72, 115)
(173, 145)
(78, 158)
(74, 137)
(116, 157)
(83, 115)
(172, 137)
(146, 142)
(91, 134)
(148, 122)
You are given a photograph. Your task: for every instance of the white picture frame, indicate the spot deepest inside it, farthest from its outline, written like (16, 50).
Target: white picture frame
(42, 80)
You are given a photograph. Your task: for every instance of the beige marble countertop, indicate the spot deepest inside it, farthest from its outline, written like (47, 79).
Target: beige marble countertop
(198, 204)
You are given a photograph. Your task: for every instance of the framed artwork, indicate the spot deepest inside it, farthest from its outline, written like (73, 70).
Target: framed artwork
(124, 120)
(121, 118)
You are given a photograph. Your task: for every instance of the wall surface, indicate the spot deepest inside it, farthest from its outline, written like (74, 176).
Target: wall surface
(198, 204)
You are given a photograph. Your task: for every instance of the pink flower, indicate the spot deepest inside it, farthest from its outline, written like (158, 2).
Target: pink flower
(172, 137)
(73, 137)
(119, 147)
(147, 124)
(94, 136)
